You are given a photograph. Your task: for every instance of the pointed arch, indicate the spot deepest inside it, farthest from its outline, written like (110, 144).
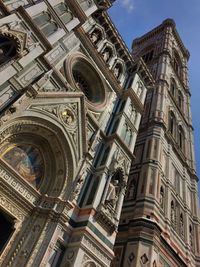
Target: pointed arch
(181, 138)
(177, 65)
(172, 123)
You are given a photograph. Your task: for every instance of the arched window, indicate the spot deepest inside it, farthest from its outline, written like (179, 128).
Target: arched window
(173, 214)
(161, 197)
(181, 138)
(191, 236)
(181, 225)
(180, 100)
(177, 63)
(8, 49)
(172, 123)
(148, 56)
(173, 87)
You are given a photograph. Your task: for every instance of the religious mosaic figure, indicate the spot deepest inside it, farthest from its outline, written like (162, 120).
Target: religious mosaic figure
(27, 161)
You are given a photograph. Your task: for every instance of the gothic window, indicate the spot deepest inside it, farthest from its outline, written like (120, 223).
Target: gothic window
(152, 181)
(6, 229)
(181, 226)
(107, 54)
(45, 23)
(180, 100)
(63, 12)
(27, 161)
(173, 87)
(177, 63)
(181, 138)
(173, 214)
(191, 236)
(161, 197)
(147, 57)
(172, 123)
(8, 49)
(96, 36)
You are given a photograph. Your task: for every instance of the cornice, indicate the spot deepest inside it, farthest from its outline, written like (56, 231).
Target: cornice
(166, 23)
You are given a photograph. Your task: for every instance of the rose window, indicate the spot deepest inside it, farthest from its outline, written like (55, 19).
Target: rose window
(82, 84)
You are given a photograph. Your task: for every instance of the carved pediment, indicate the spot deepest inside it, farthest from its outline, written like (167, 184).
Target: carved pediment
(69, 111)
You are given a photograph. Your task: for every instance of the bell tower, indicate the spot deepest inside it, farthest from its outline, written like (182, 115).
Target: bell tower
(160, 224)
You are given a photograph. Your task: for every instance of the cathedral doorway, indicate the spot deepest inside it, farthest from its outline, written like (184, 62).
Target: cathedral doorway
(6, 229)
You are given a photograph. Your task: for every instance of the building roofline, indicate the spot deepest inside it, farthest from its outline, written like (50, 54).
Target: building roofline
(166, 23)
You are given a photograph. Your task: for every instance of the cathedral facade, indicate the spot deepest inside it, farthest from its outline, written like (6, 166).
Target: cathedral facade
(71, 103)
(80, 183)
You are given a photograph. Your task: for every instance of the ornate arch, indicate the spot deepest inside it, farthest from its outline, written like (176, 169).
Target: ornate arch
(120, 67)
(99, 32)
(37, 136)
(108, 52)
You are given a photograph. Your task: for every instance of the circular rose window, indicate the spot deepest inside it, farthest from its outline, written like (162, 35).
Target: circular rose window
(83, 76)
(27, 161)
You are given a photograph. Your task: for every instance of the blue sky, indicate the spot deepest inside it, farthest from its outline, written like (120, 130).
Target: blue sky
(133, 18)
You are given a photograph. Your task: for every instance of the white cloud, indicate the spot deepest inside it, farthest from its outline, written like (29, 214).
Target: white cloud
(129, 5)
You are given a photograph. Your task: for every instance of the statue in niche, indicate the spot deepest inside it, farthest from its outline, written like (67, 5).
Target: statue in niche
(106, 55)
(95, 36)
(112, 195)
(79, 183)
(116, 71)
(139, 89)
(172, 214)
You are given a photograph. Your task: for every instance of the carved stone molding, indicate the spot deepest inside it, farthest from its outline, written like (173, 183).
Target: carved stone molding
(105, 216)
(96, 250)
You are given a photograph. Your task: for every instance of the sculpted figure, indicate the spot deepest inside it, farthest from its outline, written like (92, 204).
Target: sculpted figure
(112, 193)
(106, 55)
